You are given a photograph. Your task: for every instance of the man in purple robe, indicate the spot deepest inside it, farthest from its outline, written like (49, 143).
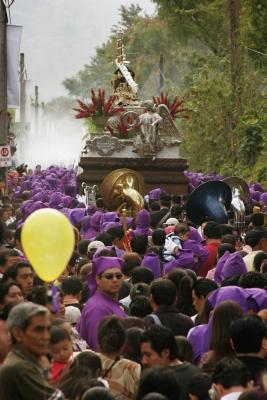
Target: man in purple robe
(104, 283)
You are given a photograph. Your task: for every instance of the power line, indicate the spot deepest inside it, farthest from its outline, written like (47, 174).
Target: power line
(256, 51)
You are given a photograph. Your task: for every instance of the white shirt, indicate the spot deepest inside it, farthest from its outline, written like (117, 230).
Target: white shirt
(231, 396)
(249, 259)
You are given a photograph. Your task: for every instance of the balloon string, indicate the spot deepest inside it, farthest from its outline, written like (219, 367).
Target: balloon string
(55, 302)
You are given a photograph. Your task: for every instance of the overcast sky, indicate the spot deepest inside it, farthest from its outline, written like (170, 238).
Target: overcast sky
(59, 36)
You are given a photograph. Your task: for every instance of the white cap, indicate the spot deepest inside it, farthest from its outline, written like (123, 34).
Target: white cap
(94, 245)
(72, 314)
(171, 221)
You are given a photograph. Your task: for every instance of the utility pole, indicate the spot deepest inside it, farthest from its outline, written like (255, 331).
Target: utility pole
(3, 75)
(36, 108)
(3, 90)
(161, 76)
(22, 91)
(234, 12)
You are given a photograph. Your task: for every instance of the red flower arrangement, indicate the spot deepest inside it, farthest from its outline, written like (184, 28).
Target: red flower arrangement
(99, 106)
(174, 105)
(120, 128)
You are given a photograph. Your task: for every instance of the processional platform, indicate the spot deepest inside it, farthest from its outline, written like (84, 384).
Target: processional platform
(132, 133)
(164, 172)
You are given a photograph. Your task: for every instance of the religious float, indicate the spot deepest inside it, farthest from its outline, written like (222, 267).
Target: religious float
(132, 134)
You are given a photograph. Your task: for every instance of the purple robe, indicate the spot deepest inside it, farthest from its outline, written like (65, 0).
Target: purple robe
(200, 253)
(194, 235)
(257, 299)
(219, 266)
(152, 261)
(233, 266)
(155, 194)
(96, 308)
(76, 214)
(184, 259)
(234, 293)
(143, 221)
(94, 229)
(106, 218)
(199, 337)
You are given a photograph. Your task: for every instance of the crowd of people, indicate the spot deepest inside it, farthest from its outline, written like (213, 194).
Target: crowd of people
(164, 310)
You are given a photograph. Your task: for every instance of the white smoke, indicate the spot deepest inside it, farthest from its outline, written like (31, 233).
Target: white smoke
(50, 141)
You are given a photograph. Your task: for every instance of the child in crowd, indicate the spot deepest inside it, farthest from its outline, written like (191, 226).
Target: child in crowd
(60, 351)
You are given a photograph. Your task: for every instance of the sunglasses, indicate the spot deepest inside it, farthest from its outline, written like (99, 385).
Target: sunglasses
(109, 277)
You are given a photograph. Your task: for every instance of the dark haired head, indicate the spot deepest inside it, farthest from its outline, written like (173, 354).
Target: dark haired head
(253, 279)
(139, 289)
(158, 237)
(181, 229)
(163, 292)
(131, 349)
(247, 334)
(4, 290)
(132, 260)
(58, 334)
(224, 314)
(133, 322)
(82, 247)
(160, 338)
(225, 247)
(40, 295)
(154, 396)
(116, 233)
(71, 286)
(199, 386)
(231, 372)
(231, 239)
(154, 205)
(184, 349)
(12, 271)
(140, 307)
(142, 275)
(111, 335)
(212, 230)
(204, 286)
(105, 238)
(258, 259)
(226, 230)
(176, 211)
(139, 244)
(81, 375)
(159, 380)
(184, 284)
(165, 200)
(254, 237)
(257, 220)
(232, 281)
(98, 393)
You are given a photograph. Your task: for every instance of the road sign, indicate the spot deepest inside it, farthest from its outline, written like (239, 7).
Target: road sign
(5, 156)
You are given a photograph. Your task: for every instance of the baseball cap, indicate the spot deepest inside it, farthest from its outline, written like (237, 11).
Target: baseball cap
(72, 314)
(94, 245)
(171, 221)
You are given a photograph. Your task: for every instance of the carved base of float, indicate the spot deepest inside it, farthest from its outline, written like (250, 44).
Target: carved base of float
(165, 173)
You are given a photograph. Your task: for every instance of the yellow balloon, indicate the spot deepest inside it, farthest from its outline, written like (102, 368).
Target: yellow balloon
(48, 240)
